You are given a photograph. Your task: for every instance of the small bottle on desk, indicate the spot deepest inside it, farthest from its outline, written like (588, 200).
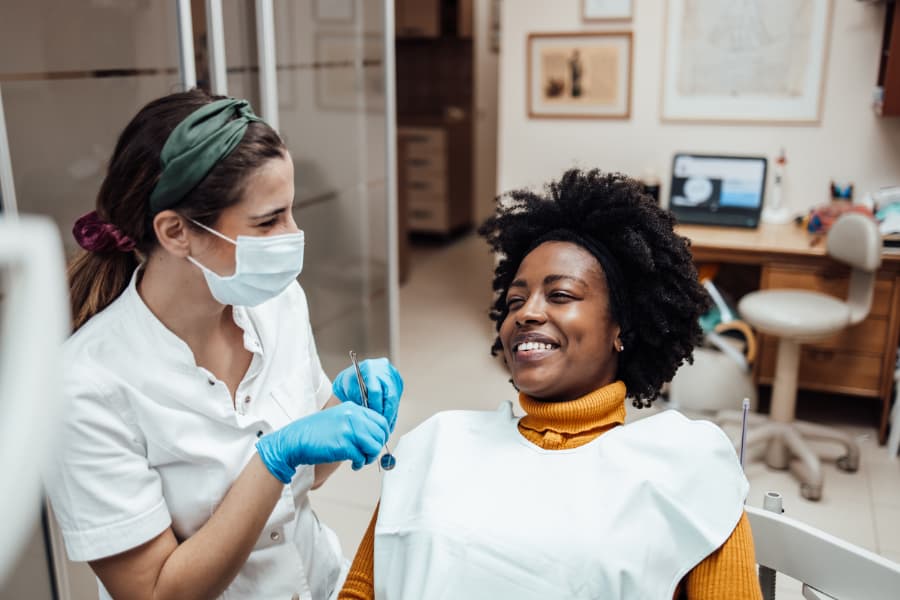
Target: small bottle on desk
(650, 181)
(775, 211)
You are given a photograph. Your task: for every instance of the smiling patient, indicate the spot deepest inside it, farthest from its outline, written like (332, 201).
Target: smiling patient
(597, 298)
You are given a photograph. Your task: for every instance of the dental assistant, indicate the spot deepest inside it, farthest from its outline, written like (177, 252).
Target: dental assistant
(199, 415)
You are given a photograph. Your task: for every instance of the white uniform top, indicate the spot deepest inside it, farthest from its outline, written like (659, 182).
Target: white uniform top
(153, 440)
(474, 510)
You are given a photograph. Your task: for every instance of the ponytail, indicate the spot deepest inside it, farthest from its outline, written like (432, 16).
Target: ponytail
(95, 280)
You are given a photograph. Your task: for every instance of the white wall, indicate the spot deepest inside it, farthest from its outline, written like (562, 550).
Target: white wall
(486, 88)
(850, 142)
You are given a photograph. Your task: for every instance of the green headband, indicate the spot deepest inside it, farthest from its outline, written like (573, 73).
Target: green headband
(196, 145)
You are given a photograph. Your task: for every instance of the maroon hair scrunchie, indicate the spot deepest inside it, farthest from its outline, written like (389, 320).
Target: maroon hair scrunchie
(95, 235)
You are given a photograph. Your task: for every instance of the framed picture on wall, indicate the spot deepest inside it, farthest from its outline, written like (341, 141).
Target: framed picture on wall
(579, 75)
(745, 61)
(606, 10)
(350, 71)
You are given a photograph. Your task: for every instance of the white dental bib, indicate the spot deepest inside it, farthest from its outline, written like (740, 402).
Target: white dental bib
(474, 510)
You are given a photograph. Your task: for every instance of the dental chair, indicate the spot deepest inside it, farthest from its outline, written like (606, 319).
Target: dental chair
(828, 567)
(796, 317)
(34, 321)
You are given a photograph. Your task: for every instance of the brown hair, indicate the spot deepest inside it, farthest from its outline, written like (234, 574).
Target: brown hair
(98, 278)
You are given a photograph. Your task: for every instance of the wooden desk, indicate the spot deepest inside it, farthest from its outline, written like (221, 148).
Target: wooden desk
(859, 361)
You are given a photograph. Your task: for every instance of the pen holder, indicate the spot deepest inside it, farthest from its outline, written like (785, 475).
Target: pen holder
(841, 190)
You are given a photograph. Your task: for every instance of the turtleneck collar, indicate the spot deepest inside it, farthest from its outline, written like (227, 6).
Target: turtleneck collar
(565, 425)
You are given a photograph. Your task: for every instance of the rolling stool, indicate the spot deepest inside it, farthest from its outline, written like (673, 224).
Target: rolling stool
(797, 317)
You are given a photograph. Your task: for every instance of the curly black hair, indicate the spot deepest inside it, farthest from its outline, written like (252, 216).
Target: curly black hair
(662, 299)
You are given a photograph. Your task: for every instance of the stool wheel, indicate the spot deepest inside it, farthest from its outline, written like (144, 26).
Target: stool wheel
(845, 463)
(811, 492)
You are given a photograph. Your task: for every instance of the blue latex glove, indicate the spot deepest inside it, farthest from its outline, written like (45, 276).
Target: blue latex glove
(343, 432)
(383, 382)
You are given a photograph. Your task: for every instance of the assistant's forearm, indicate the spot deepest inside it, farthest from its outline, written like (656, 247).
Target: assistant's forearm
(206, 563)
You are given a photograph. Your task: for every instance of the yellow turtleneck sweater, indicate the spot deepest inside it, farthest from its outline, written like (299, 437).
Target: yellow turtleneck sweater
(729, 572)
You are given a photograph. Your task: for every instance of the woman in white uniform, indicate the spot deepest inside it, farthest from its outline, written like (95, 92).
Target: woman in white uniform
(199, 415)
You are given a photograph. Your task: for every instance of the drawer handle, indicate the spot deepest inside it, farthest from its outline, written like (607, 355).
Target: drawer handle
(830, 275)
(422, 214)
(821, 355)
(418, 185)
(419, 162)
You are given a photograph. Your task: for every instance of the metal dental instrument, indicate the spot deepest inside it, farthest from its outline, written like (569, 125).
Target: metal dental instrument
(388, 461)
(746, 409)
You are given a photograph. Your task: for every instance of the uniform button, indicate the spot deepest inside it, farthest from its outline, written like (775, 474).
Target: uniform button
(247, 400)
(211, 381)
(259, 433)
(275, 536)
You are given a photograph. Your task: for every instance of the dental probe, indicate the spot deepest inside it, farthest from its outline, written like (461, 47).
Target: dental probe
(387, 459)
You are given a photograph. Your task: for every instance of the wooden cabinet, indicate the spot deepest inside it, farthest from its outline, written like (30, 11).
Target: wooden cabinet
(434, 113)
(433, 18)
(464, 18)
(435, 177)
(418, 18)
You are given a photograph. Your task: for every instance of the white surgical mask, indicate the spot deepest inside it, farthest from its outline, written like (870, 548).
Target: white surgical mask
(264, 267)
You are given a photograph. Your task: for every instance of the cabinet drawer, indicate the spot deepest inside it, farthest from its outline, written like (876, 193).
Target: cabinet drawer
(868, 337)
(424, 142)
(424, 167)
(418, 18)
(823, 369)
(425, 186)
(425, 195)
(833, 281)
(427, 216)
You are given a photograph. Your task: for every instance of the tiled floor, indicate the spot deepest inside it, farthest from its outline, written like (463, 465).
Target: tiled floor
(444, 356)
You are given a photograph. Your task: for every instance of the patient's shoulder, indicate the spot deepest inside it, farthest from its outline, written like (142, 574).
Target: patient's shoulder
(459, 423)
(687, 458)
(671, 431)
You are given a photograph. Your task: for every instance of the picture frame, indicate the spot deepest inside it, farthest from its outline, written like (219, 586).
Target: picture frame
(350, 71)
(334, 11)
(607, 10)
(579, 75)
(773, 72)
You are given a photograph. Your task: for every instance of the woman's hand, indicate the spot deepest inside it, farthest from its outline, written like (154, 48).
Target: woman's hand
(383, 383)
(343, 432)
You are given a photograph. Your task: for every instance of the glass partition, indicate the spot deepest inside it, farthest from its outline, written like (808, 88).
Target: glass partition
(73, 73)
(331, 103)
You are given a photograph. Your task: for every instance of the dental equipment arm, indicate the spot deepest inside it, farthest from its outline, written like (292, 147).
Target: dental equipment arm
(34, 321)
